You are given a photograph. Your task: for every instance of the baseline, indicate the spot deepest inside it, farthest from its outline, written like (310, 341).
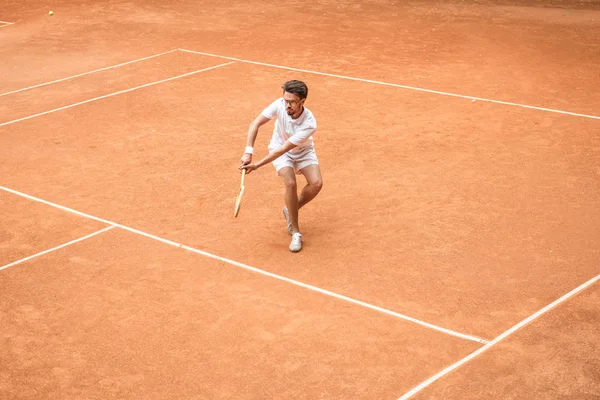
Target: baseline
(499, 338)
(254, 269)
(395, 85)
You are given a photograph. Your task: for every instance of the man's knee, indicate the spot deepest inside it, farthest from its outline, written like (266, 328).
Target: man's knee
(290, 182)
(317, 183)
(313, 177)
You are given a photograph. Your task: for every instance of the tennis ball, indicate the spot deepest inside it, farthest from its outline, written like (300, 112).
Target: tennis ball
(51, 13)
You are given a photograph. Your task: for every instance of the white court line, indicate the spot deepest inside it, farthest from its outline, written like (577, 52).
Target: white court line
(5, 24)
(521, 324)
(253, 269)
(394, 85)
(57, 247)
(116, 93)
(87, 73)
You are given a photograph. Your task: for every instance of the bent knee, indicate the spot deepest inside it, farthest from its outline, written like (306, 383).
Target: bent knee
(317, 184)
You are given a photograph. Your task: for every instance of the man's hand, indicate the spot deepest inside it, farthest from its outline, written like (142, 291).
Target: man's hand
(248, 167)
(246, 159)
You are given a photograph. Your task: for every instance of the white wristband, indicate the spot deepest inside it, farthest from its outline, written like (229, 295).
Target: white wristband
(249, 150)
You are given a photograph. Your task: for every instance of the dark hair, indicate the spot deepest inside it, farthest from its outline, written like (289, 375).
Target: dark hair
(298, 88)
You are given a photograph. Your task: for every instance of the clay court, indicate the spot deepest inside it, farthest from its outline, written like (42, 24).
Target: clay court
(453, 252)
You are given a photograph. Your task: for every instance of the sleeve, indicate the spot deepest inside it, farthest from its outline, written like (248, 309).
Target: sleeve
(271, 110)
(300, 136)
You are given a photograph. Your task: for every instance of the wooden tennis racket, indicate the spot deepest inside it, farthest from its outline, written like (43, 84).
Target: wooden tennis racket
(238, 199)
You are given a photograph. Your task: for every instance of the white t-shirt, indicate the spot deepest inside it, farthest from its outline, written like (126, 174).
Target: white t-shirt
(298, 131)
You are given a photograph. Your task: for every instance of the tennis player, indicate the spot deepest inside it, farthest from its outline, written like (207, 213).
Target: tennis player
(291, 151)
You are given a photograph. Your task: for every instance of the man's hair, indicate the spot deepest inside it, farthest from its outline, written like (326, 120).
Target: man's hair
(298, 88)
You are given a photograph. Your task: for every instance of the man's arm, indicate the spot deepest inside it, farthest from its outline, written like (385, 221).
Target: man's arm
(272, 156)
(252, 133)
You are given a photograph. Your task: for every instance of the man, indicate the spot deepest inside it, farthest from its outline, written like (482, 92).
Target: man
(291, 151)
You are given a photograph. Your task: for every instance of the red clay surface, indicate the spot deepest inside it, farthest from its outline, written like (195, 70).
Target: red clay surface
(524, 366)
(468, 215)
(68, 92)
(29, 228)
(122, 316)
(448, 210)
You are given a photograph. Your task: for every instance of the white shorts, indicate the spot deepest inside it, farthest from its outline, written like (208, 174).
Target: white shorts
(298, 161)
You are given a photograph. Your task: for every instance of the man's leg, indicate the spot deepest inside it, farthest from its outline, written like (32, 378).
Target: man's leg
(312, 173)
(291, 195)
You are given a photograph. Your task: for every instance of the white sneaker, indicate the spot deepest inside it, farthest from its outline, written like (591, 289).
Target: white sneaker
(296, 244)
(287, 220)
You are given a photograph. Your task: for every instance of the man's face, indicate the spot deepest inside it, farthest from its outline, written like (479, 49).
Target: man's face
(293, 104)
